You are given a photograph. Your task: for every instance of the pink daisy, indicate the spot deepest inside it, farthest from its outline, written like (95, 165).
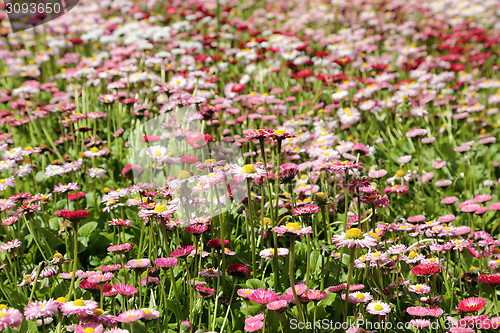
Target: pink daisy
(292, 228)
(262, 296)
(124, 289)
(130, 316)
(166, 262)
(420, 323)
(10, 317)
(91, 327)
(42, 309)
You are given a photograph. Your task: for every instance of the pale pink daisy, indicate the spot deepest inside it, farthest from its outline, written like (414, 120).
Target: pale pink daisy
(378, 308)
(157, 152)
(150, 314)
(90, 327)
(277, 305)
(78, 307)
(39, 309)
(292, 228)
(419, 288)
(10, 245)
(354, 237)
(269, 253)
(130, 316)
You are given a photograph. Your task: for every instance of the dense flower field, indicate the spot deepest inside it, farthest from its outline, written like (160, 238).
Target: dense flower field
(253, 166)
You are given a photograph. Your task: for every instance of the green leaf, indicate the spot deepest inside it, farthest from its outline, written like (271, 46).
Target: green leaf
(87, 229)
(32, 327)
(255, 283)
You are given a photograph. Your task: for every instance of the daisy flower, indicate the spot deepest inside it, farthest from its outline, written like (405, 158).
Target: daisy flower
(419, 288)
(471, 304)
(150, 314)
(157, 152)
(248, 171)
(91, 327)
(262, 296)
(210, 272)
(378, 308)
(10, 245)
(99, 278)
(166, 262)
(358, 297)
(292, 228)
(269, 253)
(39, 309)
(78, 307)
(418, 311)
(277, 305)
(96, 172)
(354, 237)
(10, 317)
(7, 182)
(420, 323)
(245, 293)
(130, 316)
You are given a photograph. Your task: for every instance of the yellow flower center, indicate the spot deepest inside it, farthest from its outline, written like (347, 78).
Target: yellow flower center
(147, 311)
(360, 296)
(89, 330)
(183, 174)
(400, 173)
(292, 226)
(78, 302)
(61, 300)
(412, 255)
(3, 306)
(94, 149)
(378, 307)
(354, 233)
(2, 314)
(279, 132)
(98, 312)
(209, 161)
(248, 169)
(58, 256)
(418, 288)
(160, 208)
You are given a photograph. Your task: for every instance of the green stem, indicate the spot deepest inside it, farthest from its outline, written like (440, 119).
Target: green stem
(292, 281)
(229, 306)
(252, 231)
(75, 261)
